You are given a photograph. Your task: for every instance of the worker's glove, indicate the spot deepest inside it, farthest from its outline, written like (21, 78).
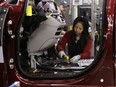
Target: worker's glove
(75, 59)
(61, 54)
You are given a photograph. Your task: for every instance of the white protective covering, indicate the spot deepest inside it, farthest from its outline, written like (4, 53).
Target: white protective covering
(44, 36)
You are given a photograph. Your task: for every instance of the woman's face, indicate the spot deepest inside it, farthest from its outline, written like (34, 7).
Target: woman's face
(78, 28)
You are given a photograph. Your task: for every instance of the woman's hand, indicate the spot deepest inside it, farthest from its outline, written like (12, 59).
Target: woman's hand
(61, 54)
(75, 59)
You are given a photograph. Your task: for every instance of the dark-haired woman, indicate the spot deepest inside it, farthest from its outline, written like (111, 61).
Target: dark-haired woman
(79, 41)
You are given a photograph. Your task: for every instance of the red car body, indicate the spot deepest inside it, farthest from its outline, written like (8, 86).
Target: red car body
(103, 74)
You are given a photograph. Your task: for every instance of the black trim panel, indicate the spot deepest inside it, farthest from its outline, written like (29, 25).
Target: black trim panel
(3, 14)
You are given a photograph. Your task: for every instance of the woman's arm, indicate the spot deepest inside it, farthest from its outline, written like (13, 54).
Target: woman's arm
(86, 53)
(63, 41)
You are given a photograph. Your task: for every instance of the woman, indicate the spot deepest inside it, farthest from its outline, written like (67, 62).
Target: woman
(79, 41)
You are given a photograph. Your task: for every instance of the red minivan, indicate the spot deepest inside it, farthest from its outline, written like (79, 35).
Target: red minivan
(29, 33)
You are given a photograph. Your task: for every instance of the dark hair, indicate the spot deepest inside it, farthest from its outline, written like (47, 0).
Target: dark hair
(85, 24)
(85, 34)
